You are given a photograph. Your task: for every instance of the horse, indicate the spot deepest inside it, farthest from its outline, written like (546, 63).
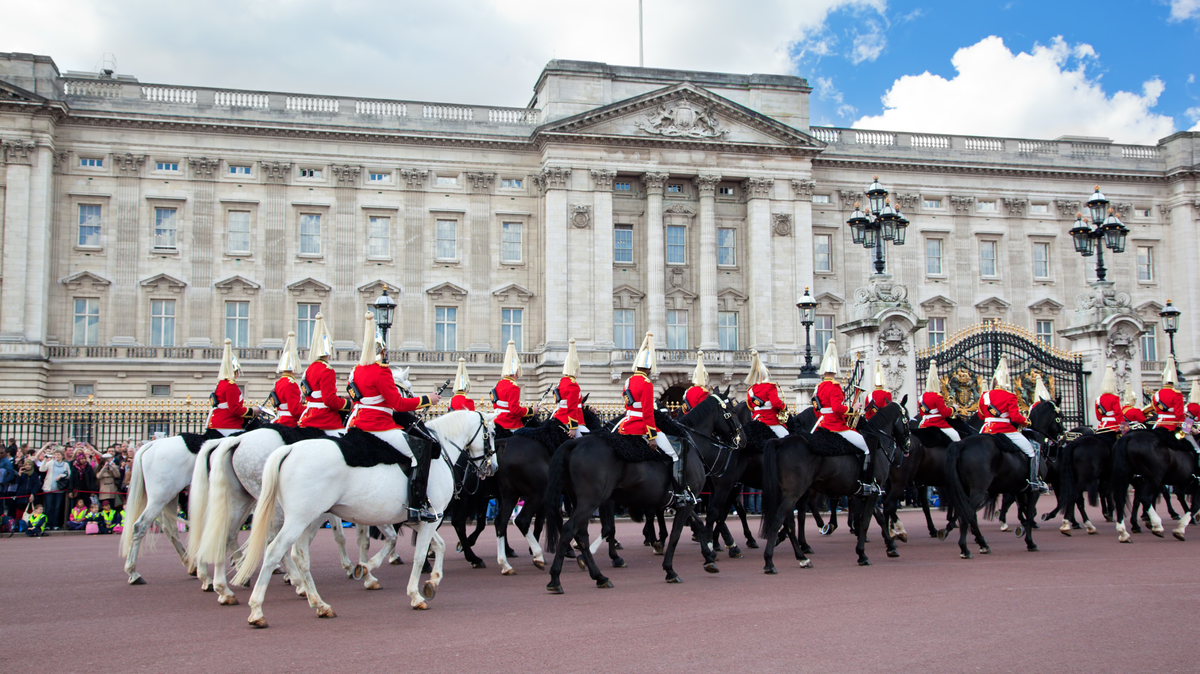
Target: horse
(799, 463)
(923, 464)
(1047, 430)
(591, 470)
(312, 477)
(732, 466)
(1084, 466)
(1161, 460)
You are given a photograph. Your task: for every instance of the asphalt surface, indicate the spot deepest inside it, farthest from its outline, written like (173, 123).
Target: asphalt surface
(1081, 604)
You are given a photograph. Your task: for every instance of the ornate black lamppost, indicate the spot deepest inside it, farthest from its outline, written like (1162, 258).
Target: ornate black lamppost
(1170, 319)
(1107, 227)
(385, 307)
(879, 223)
(808, 307)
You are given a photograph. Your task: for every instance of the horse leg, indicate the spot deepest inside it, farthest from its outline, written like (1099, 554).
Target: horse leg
(1027, 509)
(565, 536)
(608, 532)
(923, 499)
(1156, 526)
(1087, 522)
(794, 529)
(1006, 502)
(527, 517)
(504, 511)
(661, 515)
(833, 508)
(437, 545)
(1118, 506)
(682, 517)
(303, 561)
(339, 537)
(225, 595)
(140, 528)
(884, 526)
(862, 522)
(810, 504)
(425, 533)
(1167, 499)
(276, 550)
(458, 519)
(1188, 517)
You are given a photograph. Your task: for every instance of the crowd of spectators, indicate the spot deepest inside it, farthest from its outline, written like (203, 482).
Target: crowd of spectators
(71, 485)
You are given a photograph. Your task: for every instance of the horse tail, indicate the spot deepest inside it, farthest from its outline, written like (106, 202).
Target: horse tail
(552, 503)
(264, 516)
(771, 492)
(212, 545)
(958, 492)
(1069, 491)
(136, 502)
(198, 501)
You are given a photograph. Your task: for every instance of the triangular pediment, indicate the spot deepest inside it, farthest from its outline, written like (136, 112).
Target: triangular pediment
(1148, 311)
(513, 292)
(163, 282)
(238, 284)
(86, 280)
(938, 304)
(376, 288)
(626, 296)
(681, 114)
(992, 307)
(446, 291)
(11, 92)
(1046, 306)
(829, 300)
(309, 286)
(679, 298)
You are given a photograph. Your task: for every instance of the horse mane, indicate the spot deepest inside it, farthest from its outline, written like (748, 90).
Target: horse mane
(459, 423)
(591, 419)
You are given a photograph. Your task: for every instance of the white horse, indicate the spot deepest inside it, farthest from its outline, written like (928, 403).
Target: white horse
(315, 479)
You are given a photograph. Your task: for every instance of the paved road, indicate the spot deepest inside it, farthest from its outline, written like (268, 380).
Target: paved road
(1082, 604)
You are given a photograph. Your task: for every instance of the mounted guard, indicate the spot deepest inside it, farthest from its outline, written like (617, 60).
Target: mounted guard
(699, 390)
(935, 413)
(1109, 414)
(229, 414)
(1002, 416)
(1168, 402)
(567, 395)
(1191, 423)
(762, 395)
(880, 396)
(323, 405)
(376, 400)
(1135, 418)
(506, 396)
(462, 386)
(830, 403)
(286, 397)
(639, 416)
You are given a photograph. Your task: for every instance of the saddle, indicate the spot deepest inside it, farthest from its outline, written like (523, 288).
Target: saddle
(631, 448)
(1004, 444)
(293, 435)
(757, 435)
(931, 437)
(193, 440)
(823, 442)
(1168, 438)
(364, 450)
(551, 434)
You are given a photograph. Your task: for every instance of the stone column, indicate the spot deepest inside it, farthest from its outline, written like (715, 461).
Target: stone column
(128, 234)
(412, 302)
(347, 251)
(552, 182)
(277, 316)
(199, 292)
(480, 263)
(18, 156)
(760, 284)
(706, 187)
(656, 258)
(602, 250)
(802, 212)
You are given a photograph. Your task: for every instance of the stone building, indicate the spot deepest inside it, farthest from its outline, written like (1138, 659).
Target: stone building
(144, 223)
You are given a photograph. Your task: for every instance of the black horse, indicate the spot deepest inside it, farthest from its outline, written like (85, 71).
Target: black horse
(601, 466)
(1161, 460)
(825, 462)
(1047, 430)
(1084, 467)
(922, 466)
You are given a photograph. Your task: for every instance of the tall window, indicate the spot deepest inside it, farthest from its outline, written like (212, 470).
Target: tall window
(165, 227)
(937, 331)
(823, 332)
(1145, 263)
(676, 244)
(447, 239)
(162, 322)
(987, 258)
(677, 329)
(510, 242)
(511, 327)
(310, 234)
(623, 329)
(86, 331)
(1150, 343)
(239, 231)
(1041, 260)
(822, 252)
(623, 244)
(445, 329)
(306, 320)
(89, 225)
(1045, 332)
(933, 257)
(726, 247)
(237, 323)
(727, 330)
(379, 237)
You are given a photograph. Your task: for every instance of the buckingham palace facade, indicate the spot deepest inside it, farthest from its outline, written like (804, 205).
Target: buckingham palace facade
(145, 223)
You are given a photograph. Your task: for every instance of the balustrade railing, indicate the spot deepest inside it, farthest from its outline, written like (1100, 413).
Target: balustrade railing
(933, 142)
(381, 108)
(311, 104)
(169, 95)
(94, 88)
(447, 112)
(241, 99)
(984, 144)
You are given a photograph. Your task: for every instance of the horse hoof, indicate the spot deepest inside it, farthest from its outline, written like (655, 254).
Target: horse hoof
(673, 578)
(541, 565)
(716, 546)
(964, 555)
(581, 563)
(658, 548)
(207, 588)
(359, 572)
(193, 572)
(825, 530)
(617, 545)
(1124, 538)
(1175, 517)
(458, 548)
(1019, 531)
(806, 563)
(479, 565)
(373, 585)
(261, 623)
(1108, 518)
(396, 562)
(231, 601)
(508, 571)
(1178, 536)
(429, 589)
(420, 606)
(1031, 548)
(735, 553)
(1157, 532)
(1045, 517)
(1004, 526)
(711, 567)
(902, 537)
(864, 562)
(1092, 531)
(554, 588)
(985, 551)
(619, 563)
(752, 544)
(326, 612)
(604, 584)
(1065, 532)
(770, 570)
(893, 553)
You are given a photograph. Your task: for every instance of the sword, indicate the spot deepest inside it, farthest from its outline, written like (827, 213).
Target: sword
(443, 387)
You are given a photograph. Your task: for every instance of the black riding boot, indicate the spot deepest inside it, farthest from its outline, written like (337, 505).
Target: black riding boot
(866, 481)
(1035, 480)
(683, 495)
(418, 482)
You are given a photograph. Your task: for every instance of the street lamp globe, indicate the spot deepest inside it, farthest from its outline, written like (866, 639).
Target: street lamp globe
(808, 308)
(1114, 232)
(385, 308)
(876, 195)
(1170, 318)
(858, 222)
(887, 221)
(901, 228)
(1098, 206)
(1082, 235)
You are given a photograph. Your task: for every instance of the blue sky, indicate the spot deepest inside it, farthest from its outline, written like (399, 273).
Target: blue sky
(1122, 70)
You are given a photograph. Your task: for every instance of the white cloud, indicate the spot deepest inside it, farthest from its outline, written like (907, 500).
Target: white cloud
(868, 46)
(825, 90)
(487, 52)
(1194, 115)
(1184, 9)
(1043, 94)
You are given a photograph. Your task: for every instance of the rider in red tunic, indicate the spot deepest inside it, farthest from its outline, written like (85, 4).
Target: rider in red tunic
(506, 396)
(322, 402)
(1001, 415)
(1108, 406)
(1192, 416)
(762, 396)
(1135, 418)
(698, 391)
(830, 403)
(377, 399)
(462, 386)
(286, 396)
(880, 396)
(1168, 402)
(228, 415)
(935, 413)
(639, 416)
(567, 395)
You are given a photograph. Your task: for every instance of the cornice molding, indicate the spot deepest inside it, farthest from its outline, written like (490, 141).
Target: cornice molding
(883, 165)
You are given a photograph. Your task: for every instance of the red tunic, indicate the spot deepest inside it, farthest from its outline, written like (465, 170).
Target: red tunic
(1193, 411)
(506, 398)
(880, 398)
(228, 410)
(380, 399)
(289, 402)
(639, 406)
(462, 402)
(323, 404)
(1134, 415)
(1000, 413)
(764, 402)
(1169, 404)
(831, 407)
(1108, 412)
(935, 413)
(692, 397)
(568, 413)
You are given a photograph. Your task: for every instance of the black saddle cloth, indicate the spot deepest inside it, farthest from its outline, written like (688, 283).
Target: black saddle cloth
(363, 450)
(931, 437)
(293, 435)
(828, 443)
(193, 440)
(757, 436)
(551, 434)
(1168, 438)
(631, 448)
(1004, 444)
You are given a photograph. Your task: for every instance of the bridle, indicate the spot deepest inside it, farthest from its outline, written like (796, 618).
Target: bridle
(482, 465)
(722, 446)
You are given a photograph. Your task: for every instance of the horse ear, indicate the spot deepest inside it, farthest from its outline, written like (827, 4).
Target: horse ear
(1058, 401)
(585, 398)
(904, 401)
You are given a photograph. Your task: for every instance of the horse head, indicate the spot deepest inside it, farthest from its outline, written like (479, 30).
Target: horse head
(400, 376)
(1046, 418)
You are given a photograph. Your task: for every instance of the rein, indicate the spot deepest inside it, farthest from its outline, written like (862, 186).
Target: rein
(489, 449)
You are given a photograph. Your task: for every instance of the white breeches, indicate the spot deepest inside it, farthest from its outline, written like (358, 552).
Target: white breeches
(227, 431)
(855, 438)
(336, 433)
(1022, 443)
(1192, 439)
(581, 430)
(952, 434)
(665, 445)
(780, 431)
(395, 438)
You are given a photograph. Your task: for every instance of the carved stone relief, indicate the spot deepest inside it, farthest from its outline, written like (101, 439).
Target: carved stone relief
(581, 216)
(682, 120)
(781, 224)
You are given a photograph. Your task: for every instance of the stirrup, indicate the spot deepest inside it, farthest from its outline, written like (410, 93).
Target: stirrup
(868, 489)
(422, 514)
(685, 498)
(1039, 486)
